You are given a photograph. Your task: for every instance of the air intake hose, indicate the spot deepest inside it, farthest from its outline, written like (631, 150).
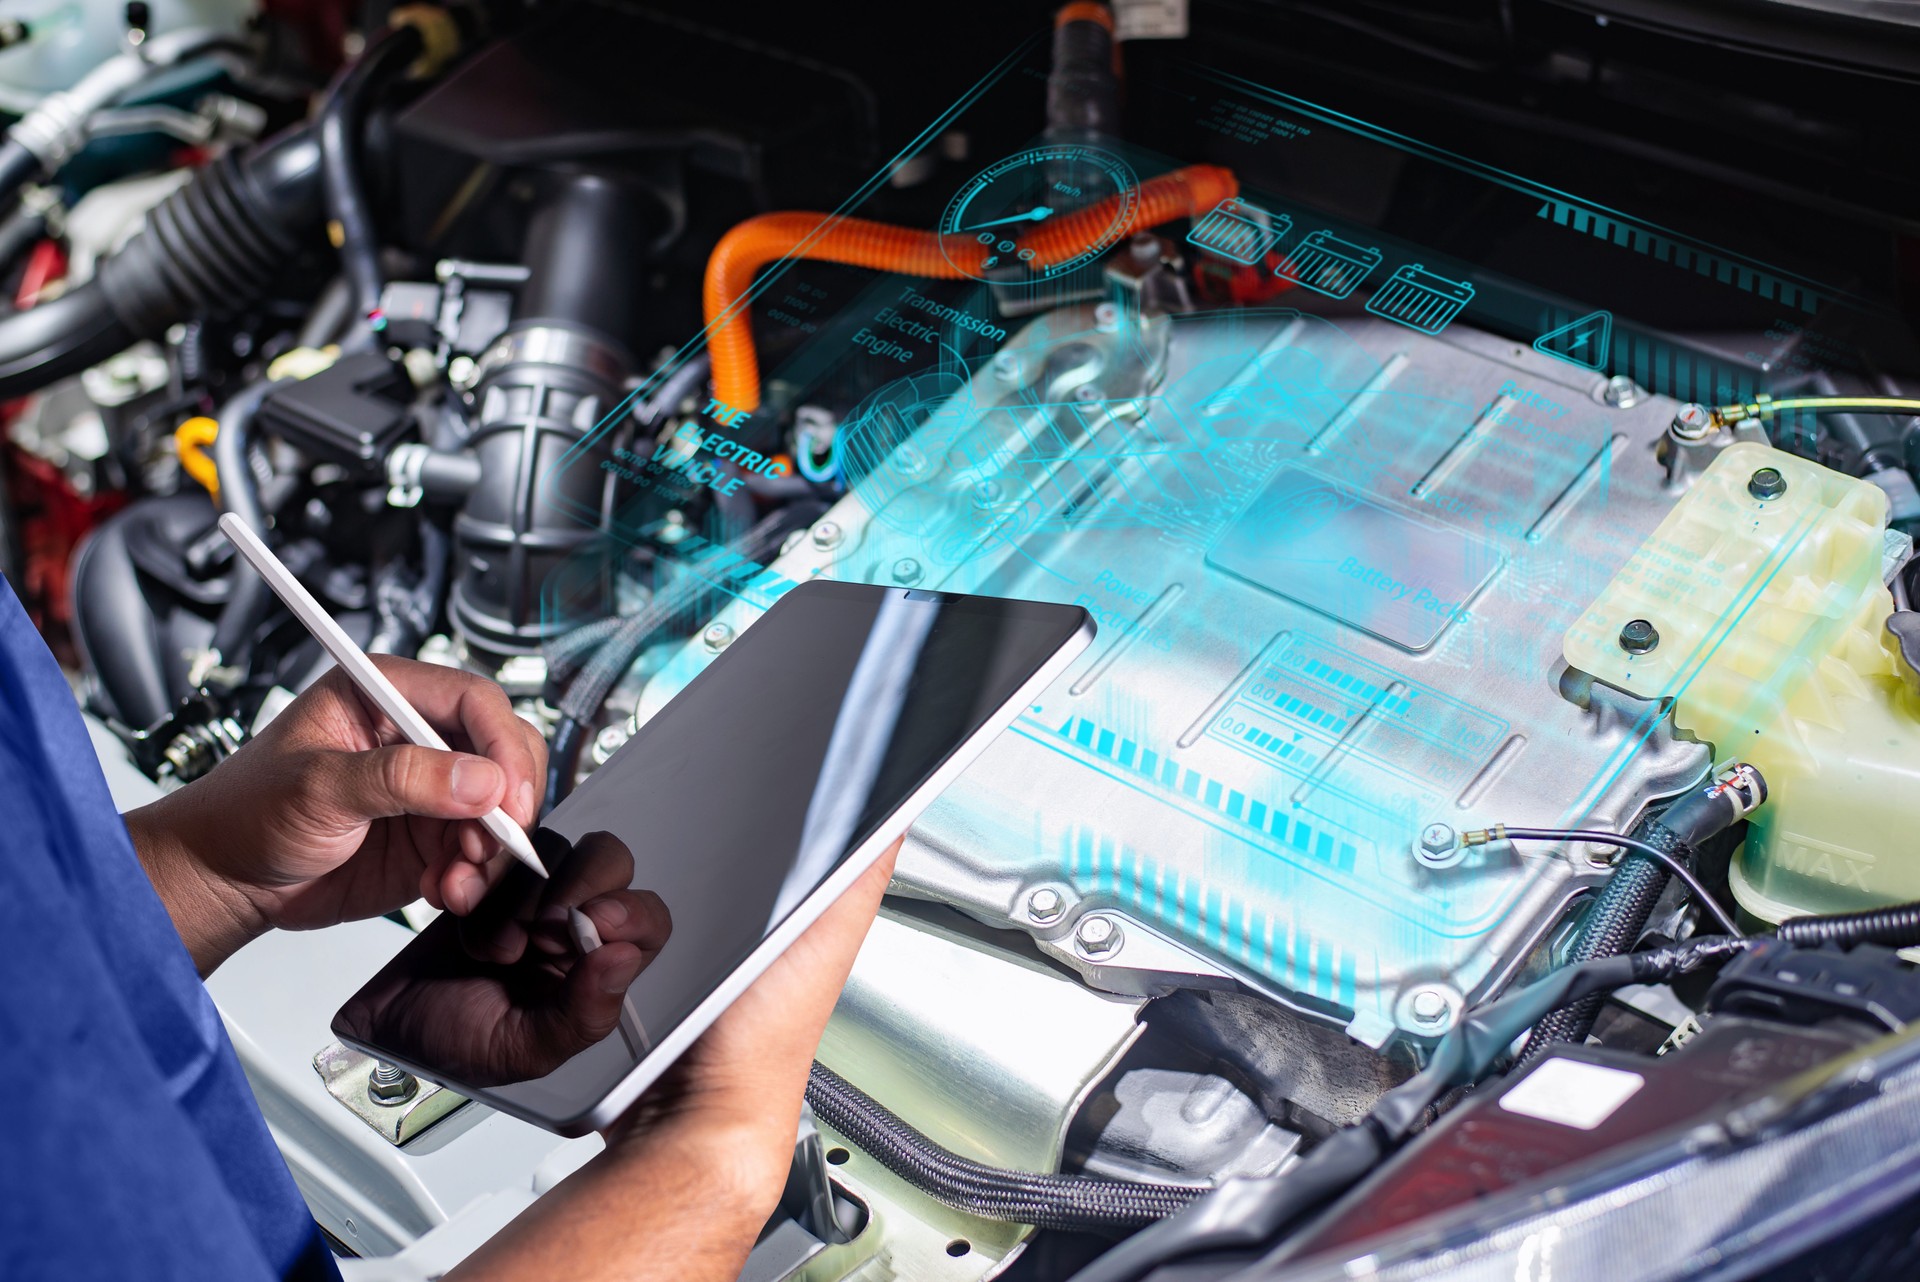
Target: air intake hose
(211, 248)
(535, 523)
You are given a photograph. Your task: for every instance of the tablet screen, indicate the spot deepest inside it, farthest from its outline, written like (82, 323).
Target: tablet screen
(731, 805)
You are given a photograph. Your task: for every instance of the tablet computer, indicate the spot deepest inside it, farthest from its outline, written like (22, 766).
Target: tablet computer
(747, 804)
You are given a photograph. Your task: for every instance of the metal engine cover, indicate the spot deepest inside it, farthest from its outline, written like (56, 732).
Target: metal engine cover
(1332, 565)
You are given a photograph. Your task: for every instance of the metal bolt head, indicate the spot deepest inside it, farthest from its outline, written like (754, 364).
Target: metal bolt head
(1639, 636)
(1106, 317)
(986, 493)
(1007, 366)
(390, 1084)
(827, 534)
(1097, 935)
(1438, 839)
(1767, 483)
(1087, 392)
(907, 570)
(1692, 423)
(1045, 905)
(1429, 1006)
(716, 637)
(609, 741)
(1621, 392)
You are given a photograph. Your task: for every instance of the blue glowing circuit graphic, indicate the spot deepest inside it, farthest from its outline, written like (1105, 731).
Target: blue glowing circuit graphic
(1332, 554)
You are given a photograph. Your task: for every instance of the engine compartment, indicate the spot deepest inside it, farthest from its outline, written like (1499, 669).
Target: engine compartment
(1452, 536)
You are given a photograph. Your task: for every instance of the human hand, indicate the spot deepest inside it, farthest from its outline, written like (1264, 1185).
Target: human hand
(692, 1171)
(534, 1000)
(329, 815)
(746, 1075)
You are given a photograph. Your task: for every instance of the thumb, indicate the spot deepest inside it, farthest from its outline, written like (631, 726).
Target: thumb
(404, 779)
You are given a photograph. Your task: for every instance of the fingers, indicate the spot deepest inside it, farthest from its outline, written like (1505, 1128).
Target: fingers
(637, 917)
(589, 1000)
(599, 862)
(465, 706)
(402, 779)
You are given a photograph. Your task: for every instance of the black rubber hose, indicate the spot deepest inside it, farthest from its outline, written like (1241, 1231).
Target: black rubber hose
(250, 599)
(18, 167)
(19, 232)
(342, 122)
(210, 248)
(1072, 1203)
(57, 339)
(1896, 926)
(1613, 926)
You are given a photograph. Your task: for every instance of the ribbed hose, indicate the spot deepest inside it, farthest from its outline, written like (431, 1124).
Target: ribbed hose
(1613, 926)
(1072, 1203)
(743, 251)
(342, 122)
(1897, 926)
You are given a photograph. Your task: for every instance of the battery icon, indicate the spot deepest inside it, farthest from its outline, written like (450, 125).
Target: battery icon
(1240, 231)
(1419, 299)
(1328, 265)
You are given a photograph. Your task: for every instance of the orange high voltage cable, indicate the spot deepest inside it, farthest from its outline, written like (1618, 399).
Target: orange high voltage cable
(743, 251)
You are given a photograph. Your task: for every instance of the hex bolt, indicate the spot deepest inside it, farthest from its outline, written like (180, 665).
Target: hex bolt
(1097, 935)
(609, 741)
(716, 637)
(1767, 483)
(827, 534)
(1087, 392)
(390, 1084)
(1007, 366)
(907, 570)
(1639, 636)
(1693, 423)
(986, 493)
(1622, 392)
(1106, 317)
(1438, 839)
(1045, 905)
(1429, 1006)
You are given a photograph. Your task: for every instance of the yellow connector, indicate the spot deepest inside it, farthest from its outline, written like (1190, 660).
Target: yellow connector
(191, 439)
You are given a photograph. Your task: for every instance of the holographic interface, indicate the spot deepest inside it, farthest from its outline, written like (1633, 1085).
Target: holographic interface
(1336, 487)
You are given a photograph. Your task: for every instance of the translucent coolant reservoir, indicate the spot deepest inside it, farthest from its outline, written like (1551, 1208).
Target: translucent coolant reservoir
(1765, 593)
(72, 37)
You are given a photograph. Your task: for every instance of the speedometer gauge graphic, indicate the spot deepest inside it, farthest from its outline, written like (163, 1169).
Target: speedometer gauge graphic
(1047, 209)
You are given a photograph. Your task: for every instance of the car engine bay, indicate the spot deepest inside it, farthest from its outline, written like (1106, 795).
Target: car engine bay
(1485, 436)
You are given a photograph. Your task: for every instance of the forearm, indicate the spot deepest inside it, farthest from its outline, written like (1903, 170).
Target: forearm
(213, 919)
(683, 1204)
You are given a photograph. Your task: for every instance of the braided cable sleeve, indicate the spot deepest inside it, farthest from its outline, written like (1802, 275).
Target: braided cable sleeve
(1612, 927)
(1074, 1203)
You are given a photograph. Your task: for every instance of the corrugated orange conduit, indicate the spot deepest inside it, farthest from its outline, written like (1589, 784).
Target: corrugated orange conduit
(743, 251)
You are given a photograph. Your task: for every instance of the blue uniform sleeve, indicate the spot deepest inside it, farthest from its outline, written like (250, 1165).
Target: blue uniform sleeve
(133, 1146)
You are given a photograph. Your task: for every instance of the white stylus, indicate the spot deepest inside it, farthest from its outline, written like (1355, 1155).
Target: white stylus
(372, 682)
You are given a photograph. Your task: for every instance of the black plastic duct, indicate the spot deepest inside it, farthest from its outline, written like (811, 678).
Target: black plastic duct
(209, 249)
(533, 525)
